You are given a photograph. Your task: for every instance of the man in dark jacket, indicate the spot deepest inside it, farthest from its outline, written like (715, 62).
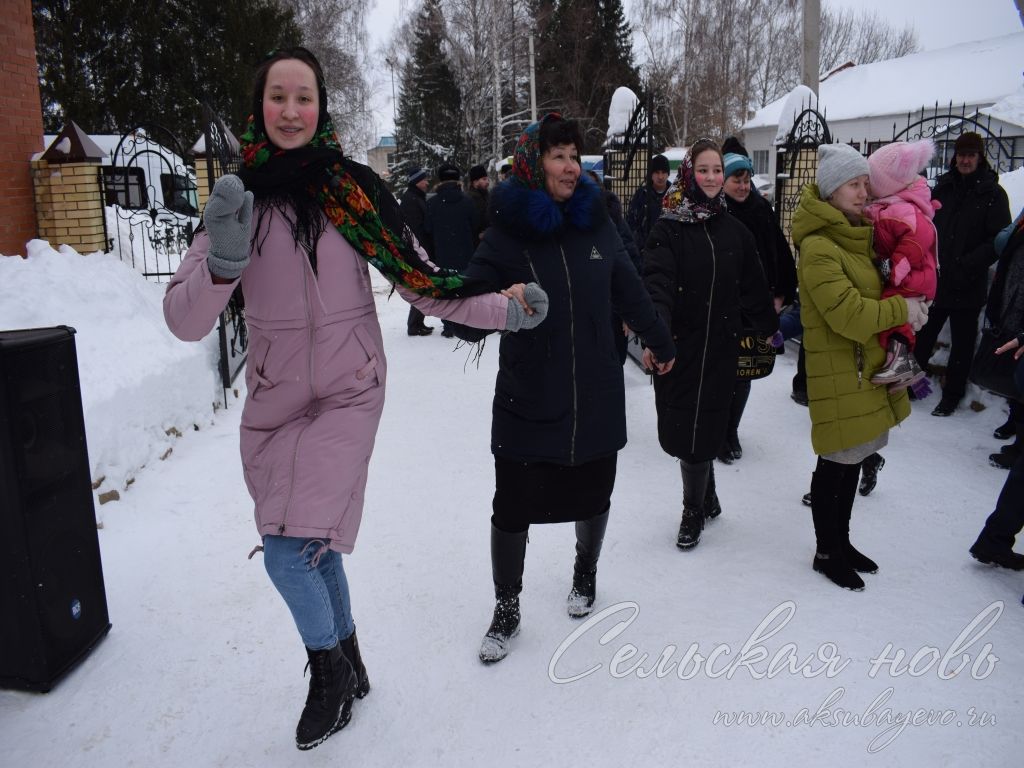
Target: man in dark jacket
(413, 204)
(645, 207)
(974, 209)
(479, 192)
(451, 224)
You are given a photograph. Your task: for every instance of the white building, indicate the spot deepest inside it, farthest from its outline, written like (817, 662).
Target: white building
(866, 104)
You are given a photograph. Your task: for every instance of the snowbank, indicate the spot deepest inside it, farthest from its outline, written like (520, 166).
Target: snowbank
(139, 383)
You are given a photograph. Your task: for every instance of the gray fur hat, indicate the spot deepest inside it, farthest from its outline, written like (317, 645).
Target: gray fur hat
(837, 164)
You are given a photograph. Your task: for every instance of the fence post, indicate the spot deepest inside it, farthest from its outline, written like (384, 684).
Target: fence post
(66, 188)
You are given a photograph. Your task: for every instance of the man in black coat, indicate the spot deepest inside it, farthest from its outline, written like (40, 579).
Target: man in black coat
(451, 224)
(413, 204)
(479, 192)
(645, 205)
(974, 209)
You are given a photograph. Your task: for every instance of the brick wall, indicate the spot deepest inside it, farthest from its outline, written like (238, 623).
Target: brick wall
(21, 125)
(67, 199)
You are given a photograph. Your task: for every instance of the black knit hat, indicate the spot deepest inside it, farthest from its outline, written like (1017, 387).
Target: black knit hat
(658, 163)
(448, 172)
(970, 142)
(732, 145)
(477, 172)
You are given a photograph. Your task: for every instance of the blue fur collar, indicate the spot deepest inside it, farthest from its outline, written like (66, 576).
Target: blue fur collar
(520, 210)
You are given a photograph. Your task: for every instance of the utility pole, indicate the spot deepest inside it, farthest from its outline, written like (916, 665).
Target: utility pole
(810, 61)
(533, 85)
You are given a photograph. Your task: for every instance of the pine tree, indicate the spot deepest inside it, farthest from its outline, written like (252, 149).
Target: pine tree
(429, 126)
(584, 54)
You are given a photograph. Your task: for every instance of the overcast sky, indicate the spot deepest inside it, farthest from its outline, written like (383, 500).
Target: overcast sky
(938, 23)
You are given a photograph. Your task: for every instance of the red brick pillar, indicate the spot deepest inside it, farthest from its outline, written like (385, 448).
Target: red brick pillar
(21, 126)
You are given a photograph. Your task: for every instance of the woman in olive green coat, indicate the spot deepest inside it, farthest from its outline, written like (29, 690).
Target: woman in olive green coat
(842, 313)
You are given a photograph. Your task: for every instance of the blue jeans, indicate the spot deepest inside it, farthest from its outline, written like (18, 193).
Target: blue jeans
(311, 579)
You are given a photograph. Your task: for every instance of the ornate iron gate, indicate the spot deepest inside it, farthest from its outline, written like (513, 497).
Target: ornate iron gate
(620, 164)
(223, 155)
(150, 203)
(1004, 153)
(797, 163)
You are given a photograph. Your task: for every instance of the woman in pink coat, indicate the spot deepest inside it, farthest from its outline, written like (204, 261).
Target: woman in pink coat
(316, 368)
(905, 242)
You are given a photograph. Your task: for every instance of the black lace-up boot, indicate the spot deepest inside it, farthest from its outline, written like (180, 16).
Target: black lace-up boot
(332, 686)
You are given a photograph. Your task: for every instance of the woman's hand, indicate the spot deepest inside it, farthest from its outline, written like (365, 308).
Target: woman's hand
(527, 306)
(917, 312)
(227, 216)
(1012, 344)
(651, 363)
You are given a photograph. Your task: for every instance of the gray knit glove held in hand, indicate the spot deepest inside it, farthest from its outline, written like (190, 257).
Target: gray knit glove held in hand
(227, 217)
(517, 318)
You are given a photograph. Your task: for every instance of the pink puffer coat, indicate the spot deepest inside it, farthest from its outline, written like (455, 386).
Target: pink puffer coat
(315, 373)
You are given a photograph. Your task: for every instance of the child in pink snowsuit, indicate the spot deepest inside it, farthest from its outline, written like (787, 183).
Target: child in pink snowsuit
(905, 243)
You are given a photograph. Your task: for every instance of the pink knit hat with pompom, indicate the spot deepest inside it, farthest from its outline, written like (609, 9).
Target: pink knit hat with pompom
(896, 166)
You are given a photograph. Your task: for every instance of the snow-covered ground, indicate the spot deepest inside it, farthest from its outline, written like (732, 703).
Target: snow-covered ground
(203, 665)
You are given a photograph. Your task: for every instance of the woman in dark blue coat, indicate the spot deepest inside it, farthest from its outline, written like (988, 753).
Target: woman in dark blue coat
(559, 415)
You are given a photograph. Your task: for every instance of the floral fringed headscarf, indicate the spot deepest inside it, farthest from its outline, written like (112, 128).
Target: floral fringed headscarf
(319, 177)
(685, 201)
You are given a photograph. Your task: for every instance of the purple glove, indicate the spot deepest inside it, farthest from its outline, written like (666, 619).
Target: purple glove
(921, 389)
(777, 340)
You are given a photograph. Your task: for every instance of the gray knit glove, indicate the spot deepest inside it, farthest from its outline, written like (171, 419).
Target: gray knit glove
(227, 216)
(517, 318)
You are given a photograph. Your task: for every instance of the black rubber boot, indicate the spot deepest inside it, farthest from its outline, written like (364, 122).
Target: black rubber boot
(712, 507)
(589, 538)
(695, 483)
(350, 647)
(508, 553)
(332, 687)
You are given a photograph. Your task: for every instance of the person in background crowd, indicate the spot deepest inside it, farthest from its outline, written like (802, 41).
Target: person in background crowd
(843, 312)
(779, 268)
(451, 225)
(1005, 311)
(559, 416)
(645, 205)
(413, 204)
(504, 171)
(296, 231)
(620, 330)
(479, 191)
(973, 210)
(702, 270)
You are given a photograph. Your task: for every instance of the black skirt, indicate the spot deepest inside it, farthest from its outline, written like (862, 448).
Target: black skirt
(538, 492)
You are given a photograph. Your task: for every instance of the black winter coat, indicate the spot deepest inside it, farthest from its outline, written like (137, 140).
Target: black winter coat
(1005, 308)
(776, 256)
(705, 278)
(451, 226)
(974, 209)
(559, 395)
(413, 204)
(644, 210)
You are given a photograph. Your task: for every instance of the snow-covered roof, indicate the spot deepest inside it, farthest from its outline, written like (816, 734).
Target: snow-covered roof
(1009, 109)
(975, 73)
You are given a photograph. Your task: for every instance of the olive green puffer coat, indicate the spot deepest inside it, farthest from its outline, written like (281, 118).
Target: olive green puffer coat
(842, 313)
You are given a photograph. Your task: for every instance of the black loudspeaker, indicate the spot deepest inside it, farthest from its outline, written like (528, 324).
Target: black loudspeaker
(53, 606)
